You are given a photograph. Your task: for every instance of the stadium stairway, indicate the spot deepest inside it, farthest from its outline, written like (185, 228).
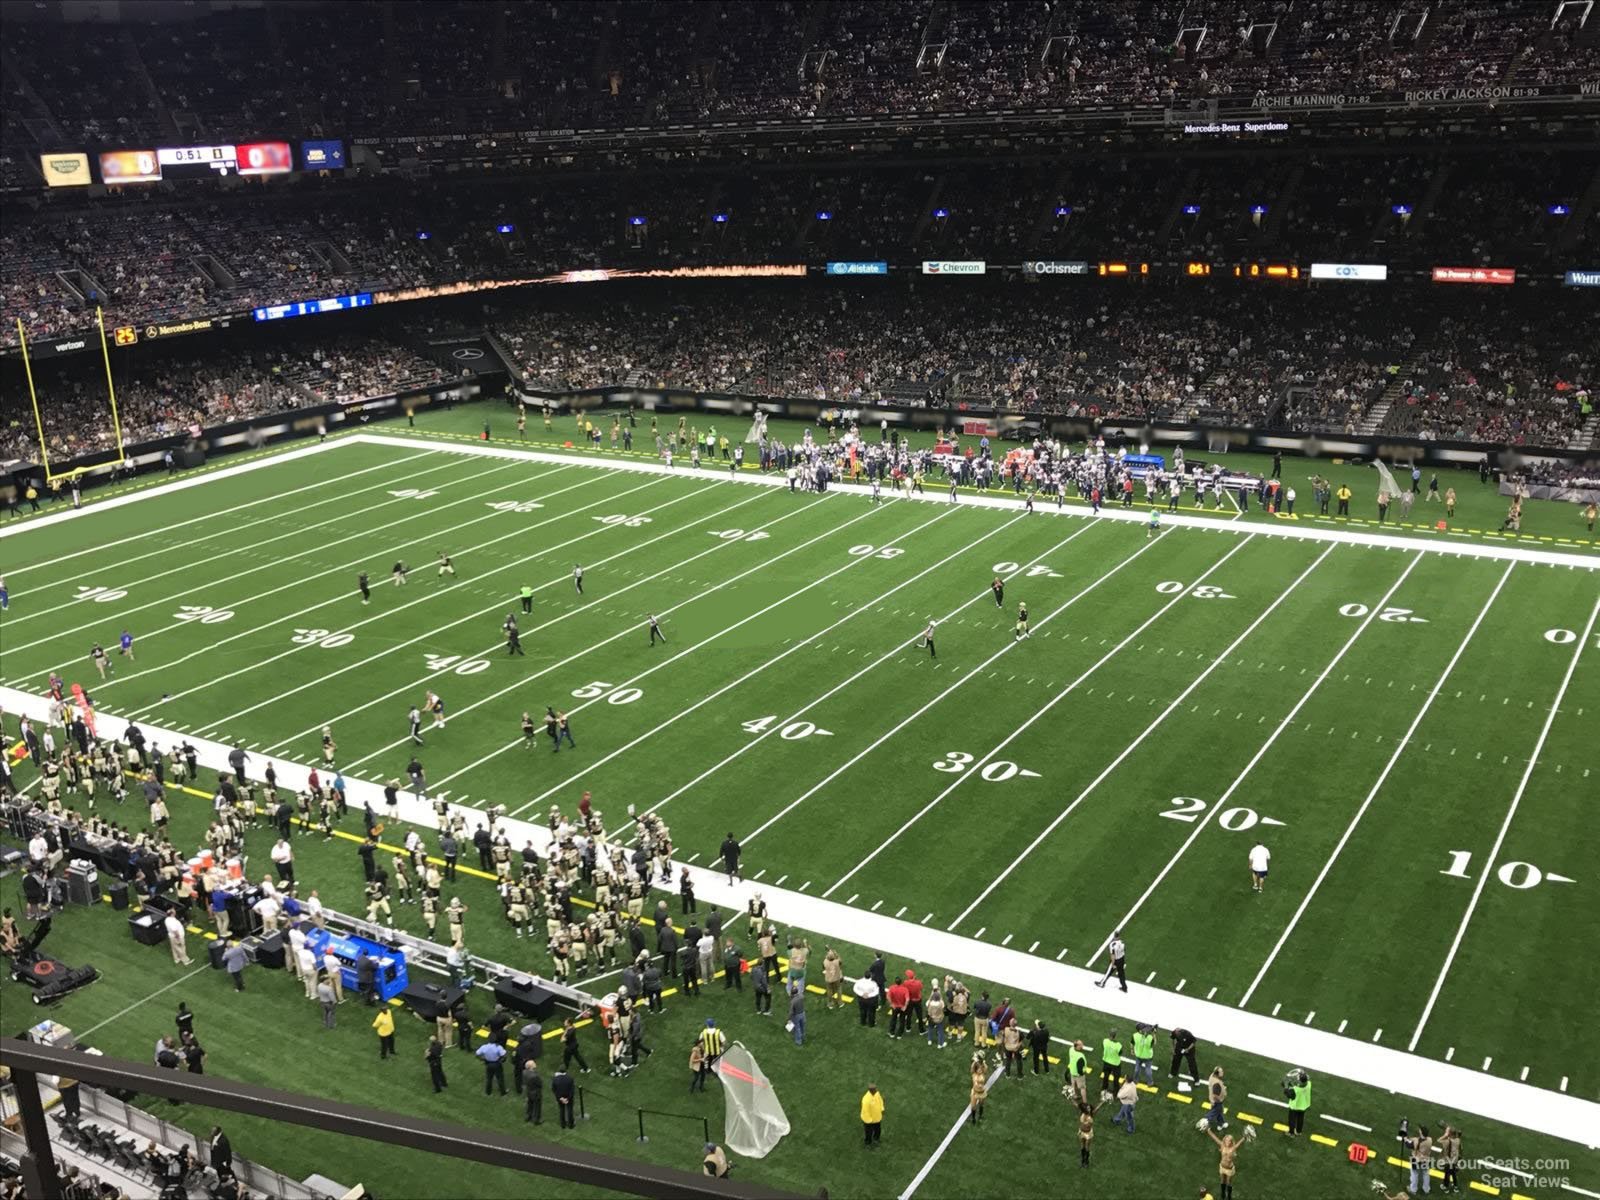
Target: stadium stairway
(1584, 438)
(1373, 420)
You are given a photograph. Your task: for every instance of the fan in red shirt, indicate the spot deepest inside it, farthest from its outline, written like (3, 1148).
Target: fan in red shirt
(914, 1003)
(899, 997)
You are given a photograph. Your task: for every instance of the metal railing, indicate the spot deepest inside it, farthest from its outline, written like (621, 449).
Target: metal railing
(28, 1061)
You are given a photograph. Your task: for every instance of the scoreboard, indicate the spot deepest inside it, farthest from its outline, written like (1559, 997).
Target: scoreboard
(178, 162)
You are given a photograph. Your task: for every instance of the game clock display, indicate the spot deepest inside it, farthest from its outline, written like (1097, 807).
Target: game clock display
(177, 162)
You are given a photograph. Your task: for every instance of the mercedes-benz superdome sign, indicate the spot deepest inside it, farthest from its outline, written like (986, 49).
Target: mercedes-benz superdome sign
(1359, 272)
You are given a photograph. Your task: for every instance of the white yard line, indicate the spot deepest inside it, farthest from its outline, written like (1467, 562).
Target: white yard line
(1377, 786)
(955, 1132)
(117, 1016)
(970, 674)
(672, 658)
(1459, 1089)
(564, 578)
(186, 592)
(852, 678)
(1288, 720)
(1284, 529)
(976, 767)
(169, 552)
(387, 614)
(179, 485)
(1487, 869)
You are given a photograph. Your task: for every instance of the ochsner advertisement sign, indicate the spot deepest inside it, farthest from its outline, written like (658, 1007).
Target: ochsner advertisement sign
(1055, 267)
(948, 267)
(1355, 272)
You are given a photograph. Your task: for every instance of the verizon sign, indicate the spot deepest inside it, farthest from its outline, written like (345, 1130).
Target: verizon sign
(1474, 275)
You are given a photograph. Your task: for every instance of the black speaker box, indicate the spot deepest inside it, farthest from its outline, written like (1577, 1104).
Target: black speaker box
(430, 1000)
(271, 951)
(520, 994)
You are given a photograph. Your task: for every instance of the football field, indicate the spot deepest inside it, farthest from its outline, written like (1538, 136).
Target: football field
(1411, 731)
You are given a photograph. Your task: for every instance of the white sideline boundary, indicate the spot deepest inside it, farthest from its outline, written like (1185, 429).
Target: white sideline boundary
(1456, 1089)
(1346, 537)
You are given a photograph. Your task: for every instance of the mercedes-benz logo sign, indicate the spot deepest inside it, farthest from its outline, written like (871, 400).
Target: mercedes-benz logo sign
(466, 353)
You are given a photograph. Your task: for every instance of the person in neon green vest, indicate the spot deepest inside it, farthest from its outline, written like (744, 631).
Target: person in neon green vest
(1299, 1093)
(1144, 1053)
(1111, 1063)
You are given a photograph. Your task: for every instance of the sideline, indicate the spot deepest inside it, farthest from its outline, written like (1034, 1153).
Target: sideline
(1346, 537)
(1456, 1088)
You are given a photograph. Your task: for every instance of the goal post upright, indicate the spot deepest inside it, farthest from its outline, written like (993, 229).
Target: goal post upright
(33, 399)
(111, 390)
(38, 422)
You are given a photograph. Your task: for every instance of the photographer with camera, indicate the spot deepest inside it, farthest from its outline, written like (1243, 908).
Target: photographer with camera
(1297, 1091)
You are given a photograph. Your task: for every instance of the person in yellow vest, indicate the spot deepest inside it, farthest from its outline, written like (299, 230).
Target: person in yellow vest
(1111, 1063)
(1299, 1093)
(872, 1115)
(712, 1043)
(384, 1024)
(32, 497)
(1144, 1053)
(1077, 1086)
(1343, 496)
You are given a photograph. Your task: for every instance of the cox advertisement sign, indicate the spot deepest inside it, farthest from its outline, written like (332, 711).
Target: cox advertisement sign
(957, 267)
(1350, 272)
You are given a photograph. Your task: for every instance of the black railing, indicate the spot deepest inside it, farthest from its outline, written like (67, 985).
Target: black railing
(28, 1061)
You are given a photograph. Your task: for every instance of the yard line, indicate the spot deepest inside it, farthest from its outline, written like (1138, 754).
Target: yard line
(933, 1159)
(978, 766)
(117, 1016)
(1134, 745)
(1383, 776)
(410, 603)
(320, 485)
(1342, 1121)
(1267, 1100)
(543, 625)
(776, 726)
(1505, 827)
(1272, 738)
(971, 673)
(191, 589)
(345, 514)
(632, 628)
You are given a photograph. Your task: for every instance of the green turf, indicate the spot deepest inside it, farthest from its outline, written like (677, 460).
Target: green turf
(1480, 510)
(1017, 1151)
(795, 627)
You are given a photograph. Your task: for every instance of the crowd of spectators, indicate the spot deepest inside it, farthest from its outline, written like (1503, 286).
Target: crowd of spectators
(1456, 368)
(1489, 375)
(1299, 361)
(150, 257)
(169, 397)
(411, 69)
